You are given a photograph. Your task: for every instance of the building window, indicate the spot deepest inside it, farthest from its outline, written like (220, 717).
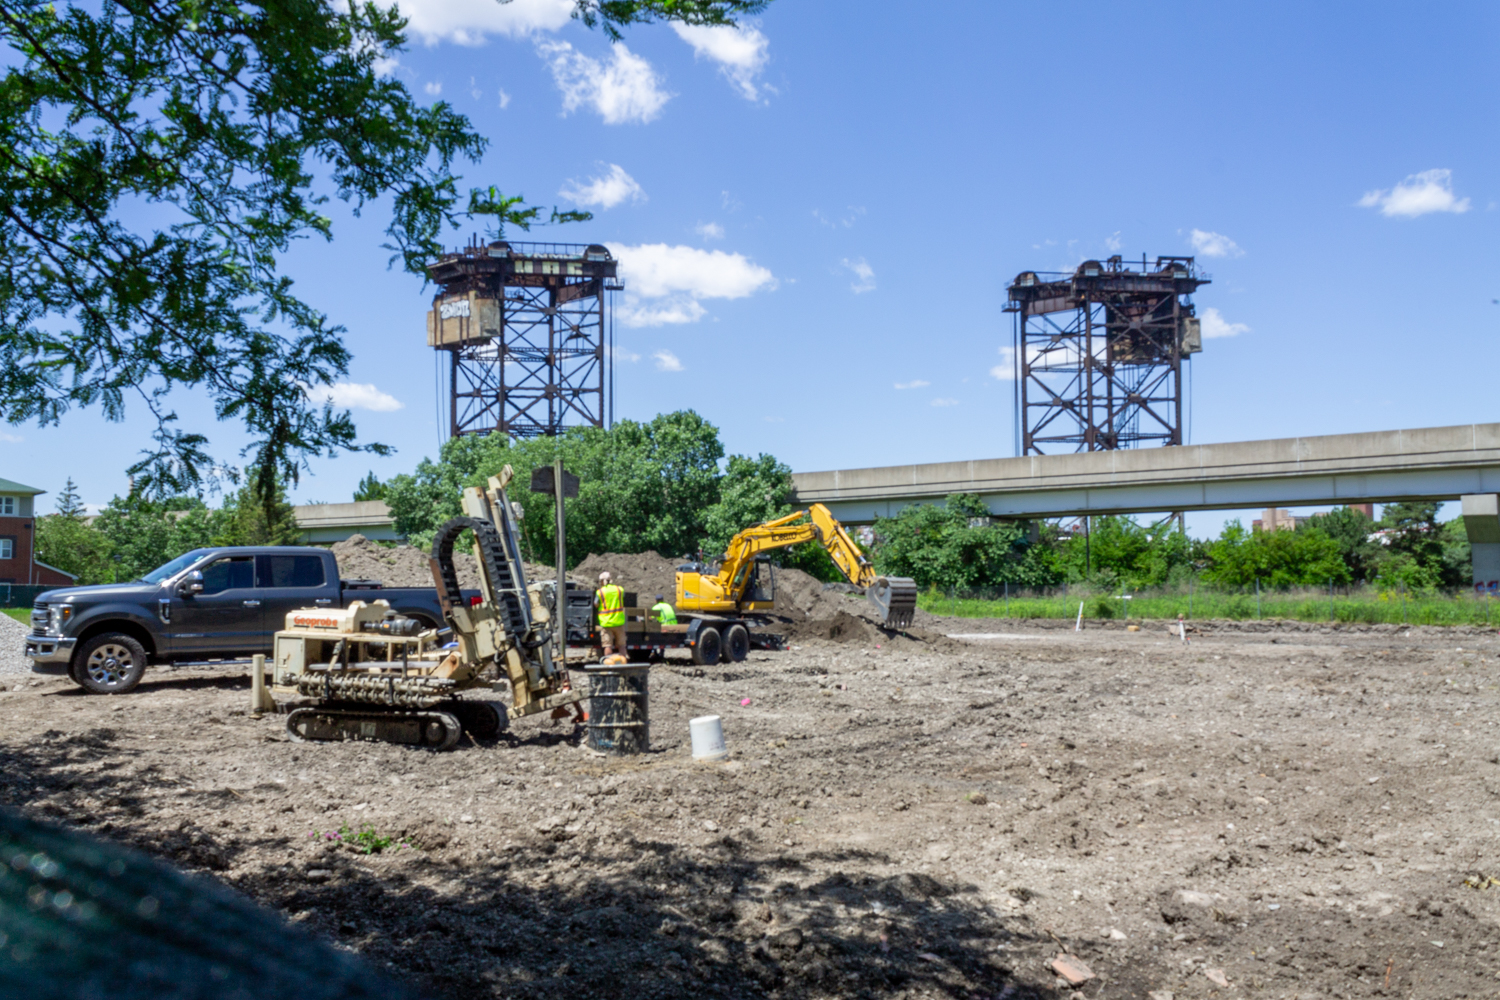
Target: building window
(7, 506)
(7, 548)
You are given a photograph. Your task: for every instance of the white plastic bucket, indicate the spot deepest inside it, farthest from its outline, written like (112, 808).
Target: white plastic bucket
(708, 738)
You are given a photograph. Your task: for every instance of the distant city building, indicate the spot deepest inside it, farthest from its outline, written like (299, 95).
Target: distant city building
(1276, 519)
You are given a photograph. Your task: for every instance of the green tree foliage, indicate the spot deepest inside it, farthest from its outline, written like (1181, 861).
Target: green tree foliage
(1121, 552)
(232, 123)
(135, 534)
(143, 533)
(369, 488)
(655, 485)
(1350, 530)
(958, 545)
(1420, 554)
(1458, 567)
(249, 519)
(1304, 557)
(67, 541)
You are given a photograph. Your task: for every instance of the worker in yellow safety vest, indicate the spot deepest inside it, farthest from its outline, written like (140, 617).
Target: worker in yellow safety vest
(609, 602)
(663, 611)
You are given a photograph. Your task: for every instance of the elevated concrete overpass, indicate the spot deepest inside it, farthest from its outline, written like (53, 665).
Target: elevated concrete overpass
(1435, 463)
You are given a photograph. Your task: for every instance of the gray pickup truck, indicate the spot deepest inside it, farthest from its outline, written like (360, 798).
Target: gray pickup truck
(208, 604)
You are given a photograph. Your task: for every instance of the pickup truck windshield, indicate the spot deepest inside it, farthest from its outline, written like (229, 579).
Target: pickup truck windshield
(174, 567)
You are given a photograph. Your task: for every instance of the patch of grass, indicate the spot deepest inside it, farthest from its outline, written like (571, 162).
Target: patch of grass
(22, 615)
(1366, 606)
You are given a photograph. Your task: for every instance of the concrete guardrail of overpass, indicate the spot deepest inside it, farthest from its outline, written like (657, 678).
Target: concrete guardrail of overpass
(1435, 463)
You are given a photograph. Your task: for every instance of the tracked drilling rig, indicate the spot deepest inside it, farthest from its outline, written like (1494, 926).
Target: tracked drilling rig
(371, 674)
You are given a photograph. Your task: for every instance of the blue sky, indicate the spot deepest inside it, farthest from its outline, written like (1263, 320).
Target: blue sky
(828, 204)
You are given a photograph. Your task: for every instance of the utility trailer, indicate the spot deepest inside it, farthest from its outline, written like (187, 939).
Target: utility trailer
(710, 638)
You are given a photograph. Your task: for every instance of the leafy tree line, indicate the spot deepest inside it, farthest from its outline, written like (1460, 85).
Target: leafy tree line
(665, 485)
(956, 545)
(135, 534)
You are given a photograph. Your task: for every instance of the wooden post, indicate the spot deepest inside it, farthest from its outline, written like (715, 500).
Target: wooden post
(260, 698)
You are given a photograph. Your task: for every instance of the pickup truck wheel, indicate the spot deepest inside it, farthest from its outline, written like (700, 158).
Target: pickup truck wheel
(109, 664)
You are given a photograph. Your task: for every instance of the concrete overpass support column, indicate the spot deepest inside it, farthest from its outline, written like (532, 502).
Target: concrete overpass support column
(1482, 525)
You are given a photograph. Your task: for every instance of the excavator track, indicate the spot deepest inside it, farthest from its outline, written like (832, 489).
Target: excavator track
(326, 723)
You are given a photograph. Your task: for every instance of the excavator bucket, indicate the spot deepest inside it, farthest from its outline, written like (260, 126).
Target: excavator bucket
(896, 597)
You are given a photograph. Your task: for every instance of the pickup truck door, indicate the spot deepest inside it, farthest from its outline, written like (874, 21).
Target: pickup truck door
(225, 618)
(291, 583)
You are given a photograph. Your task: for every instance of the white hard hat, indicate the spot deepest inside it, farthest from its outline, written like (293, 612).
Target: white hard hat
(604, 577)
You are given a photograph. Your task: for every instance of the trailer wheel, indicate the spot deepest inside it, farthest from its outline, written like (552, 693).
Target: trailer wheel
(737, 643)
(706, 650)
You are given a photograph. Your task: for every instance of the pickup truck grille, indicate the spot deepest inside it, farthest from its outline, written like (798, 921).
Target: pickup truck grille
(40, 615)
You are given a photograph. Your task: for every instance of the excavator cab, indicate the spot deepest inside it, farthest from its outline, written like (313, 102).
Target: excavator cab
(760, 592)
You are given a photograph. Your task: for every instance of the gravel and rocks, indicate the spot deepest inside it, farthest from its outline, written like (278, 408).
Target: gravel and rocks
(1254, 814)
(12, 642)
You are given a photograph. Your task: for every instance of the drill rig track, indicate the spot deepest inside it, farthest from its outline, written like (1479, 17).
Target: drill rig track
(437, 728)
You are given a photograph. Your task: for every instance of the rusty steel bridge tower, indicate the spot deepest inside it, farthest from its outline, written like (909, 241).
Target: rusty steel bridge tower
(527, 330)
(1099, 354)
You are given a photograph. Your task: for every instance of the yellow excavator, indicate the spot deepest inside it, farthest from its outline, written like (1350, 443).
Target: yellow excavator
(738, 587)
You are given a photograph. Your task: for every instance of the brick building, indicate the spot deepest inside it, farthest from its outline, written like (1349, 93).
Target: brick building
(18, 563)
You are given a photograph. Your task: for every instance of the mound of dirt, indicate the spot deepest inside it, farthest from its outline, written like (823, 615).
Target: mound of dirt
(645, 574)
(799, 595)
(407, 566)
(842, 627)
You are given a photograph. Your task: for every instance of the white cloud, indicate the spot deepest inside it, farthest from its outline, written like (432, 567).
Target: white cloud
(666, 312)
(504, 100)
(677, 277)
(11, 438)
(1215, 244)
(385, 66)
(354, 396)
(622, 354)
(863, 273)
(607, 191)
(666, 361)
(474, 90)
(845, 221)
(653, 270)
(468, 22)
(625, 90)
(915, 383)
(945, 402)
(740, 51)
(1419, 194)
(434, 88)
(1112, 243)
(1215, 325)
(710, 231)
(1005, 371)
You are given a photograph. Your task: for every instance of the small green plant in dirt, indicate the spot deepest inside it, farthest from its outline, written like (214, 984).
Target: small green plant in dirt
(365, 840)
(1103, 607)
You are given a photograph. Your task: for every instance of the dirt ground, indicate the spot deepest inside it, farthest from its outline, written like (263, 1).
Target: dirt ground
(1291, 812)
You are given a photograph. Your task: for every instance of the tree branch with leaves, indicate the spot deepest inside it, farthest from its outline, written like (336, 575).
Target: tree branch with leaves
(230, 126)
